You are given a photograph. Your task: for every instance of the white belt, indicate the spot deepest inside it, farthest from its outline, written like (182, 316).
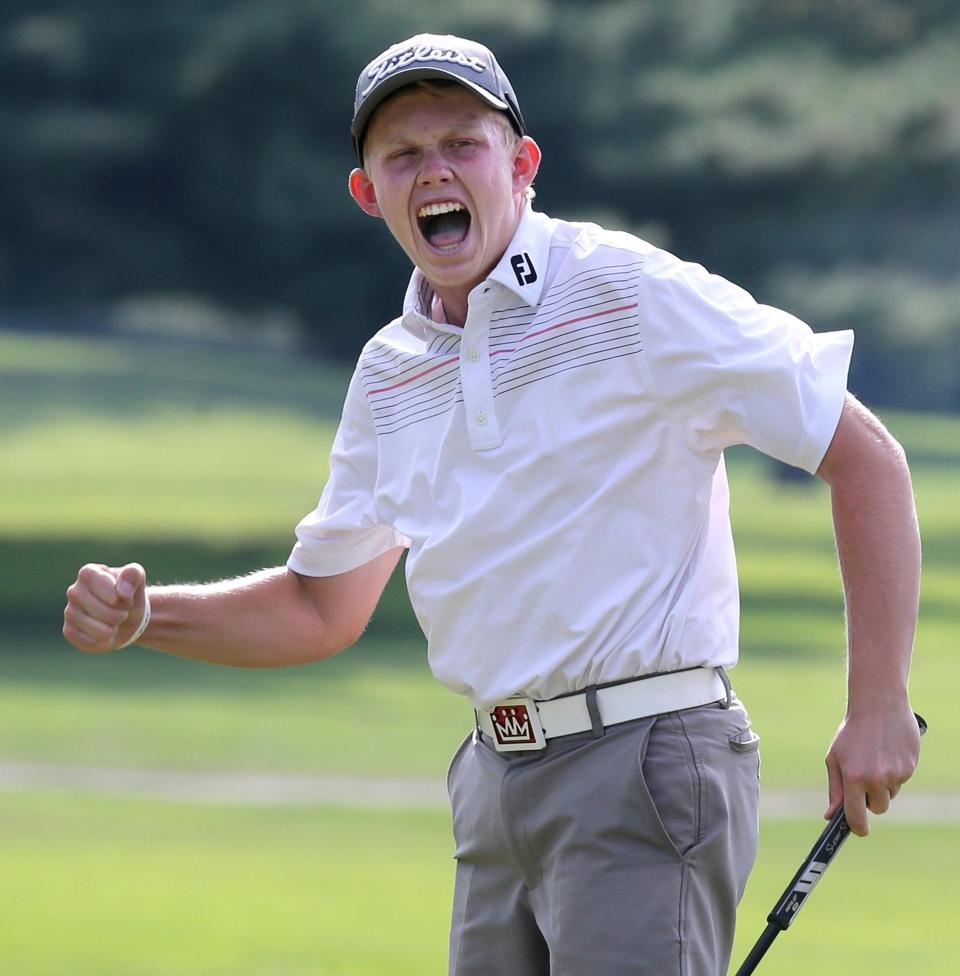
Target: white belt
(520, 723)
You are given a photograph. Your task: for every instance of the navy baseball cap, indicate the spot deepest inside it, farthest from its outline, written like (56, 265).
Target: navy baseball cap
(440, 56)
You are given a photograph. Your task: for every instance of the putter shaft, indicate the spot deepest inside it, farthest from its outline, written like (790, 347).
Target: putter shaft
(803, 882)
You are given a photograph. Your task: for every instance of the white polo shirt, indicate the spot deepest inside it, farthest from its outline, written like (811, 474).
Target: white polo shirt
(555, 466)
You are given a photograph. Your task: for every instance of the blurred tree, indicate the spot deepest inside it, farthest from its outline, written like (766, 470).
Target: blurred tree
(807, 150)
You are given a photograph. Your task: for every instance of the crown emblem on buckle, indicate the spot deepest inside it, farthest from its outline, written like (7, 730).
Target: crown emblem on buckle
(516, 725)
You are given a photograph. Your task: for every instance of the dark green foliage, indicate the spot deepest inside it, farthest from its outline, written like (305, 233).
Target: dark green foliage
(810, 151)
(33, 593)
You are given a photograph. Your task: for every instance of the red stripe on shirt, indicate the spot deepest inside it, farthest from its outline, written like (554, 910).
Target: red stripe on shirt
(560, 325)
(410, 379)
(582, 318)
(500, 352)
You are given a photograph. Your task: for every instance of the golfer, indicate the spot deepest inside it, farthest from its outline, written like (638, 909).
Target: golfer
(542, 430)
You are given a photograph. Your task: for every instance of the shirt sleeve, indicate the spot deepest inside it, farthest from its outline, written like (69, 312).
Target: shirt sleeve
(729, 370)
(344, 531)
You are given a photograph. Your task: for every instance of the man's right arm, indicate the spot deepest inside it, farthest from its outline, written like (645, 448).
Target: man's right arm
(273, 618)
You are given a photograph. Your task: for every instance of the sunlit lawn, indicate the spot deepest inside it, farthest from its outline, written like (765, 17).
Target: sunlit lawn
(116, 887)
(203, 458)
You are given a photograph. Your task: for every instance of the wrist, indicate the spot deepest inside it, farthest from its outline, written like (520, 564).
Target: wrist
(142, 626)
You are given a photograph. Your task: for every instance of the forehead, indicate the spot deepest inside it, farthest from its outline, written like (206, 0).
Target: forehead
(407, 113)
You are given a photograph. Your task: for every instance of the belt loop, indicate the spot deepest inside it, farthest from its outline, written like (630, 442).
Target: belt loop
(593, 710)
(726, 684)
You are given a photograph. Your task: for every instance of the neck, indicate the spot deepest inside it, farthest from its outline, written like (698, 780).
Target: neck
(454, 301)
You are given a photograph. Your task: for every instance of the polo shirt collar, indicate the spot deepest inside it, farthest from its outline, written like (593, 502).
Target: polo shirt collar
(521, 270)
(523, 267)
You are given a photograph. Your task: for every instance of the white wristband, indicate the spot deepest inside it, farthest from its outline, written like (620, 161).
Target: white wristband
(144, 622)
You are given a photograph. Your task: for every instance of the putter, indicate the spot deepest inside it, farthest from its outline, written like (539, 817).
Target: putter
(811, 871)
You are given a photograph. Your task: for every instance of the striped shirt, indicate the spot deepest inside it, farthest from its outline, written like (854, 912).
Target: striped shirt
(555, 467)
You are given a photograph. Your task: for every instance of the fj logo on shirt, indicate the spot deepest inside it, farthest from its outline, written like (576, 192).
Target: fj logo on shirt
(523, 268)
(511, 725)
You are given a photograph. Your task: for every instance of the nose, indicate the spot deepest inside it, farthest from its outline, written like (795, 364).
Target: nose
(434, 169)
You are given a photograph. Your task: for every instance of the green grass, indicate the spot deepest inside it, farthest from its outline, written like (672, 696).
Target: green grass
(361, 712)
(874, 912)
(221, 473)
(796, 705)
(111, 438)
(198, 462)
(46, 375)
(111, 887)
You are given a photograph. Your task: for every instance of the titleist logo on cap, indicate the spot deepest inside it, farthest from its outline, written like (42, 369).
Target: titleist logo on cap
(423, 52)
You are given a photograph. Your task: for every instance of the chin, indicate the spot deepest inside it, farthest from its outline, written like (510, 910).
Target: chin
(451, 269)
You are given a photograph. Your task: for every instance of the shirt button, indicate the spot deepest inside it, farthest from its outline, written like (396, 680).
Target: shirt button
(473, 355)
(481, 418)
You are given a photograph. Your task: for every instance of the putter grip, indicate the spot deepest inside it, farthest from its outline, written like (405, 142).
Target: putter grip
(816, 862)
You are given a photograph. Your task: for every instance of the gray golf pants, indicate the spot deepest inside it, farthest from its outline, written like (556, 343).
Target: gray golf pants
(614, 856)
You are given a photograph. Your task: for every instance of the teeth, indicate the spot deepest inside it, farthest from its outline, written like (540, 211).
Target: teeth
(433, 209)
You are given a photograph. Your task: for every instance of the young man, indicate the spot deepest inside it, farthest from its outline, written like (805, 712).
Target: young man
(542, 429)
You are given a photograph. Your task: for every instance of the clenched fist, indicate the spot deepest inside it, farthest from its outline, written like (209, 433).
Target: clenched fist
(104, 607)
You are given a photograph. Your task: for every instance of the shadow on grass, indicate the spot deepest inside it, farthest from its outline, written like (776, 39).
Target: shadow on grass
(26, 660)
(35, 573)
(123, 377)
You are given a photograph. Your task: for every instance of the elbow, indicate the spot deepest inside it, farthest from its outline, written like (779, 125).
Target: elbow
(899, 453)
(305, 639)
(293, 652)
(328, 618)
(325, 638)
(331, 643)
(892, 458)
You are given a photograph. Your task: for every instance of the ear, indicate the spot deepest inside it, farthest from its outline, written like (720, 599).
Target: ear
(526, 162)
(364, 193)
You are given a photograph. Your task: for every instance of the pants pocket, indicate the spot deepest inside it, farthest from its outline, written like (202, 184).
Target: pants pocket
(672, 782)
(745, 741)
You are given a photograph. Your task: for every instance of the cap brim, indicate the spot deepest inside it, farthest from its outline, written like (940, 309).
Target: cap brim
(387, 87)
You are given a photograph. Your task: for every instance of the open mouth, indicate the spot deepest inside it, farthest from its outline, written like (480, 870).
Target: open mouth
(444, 225)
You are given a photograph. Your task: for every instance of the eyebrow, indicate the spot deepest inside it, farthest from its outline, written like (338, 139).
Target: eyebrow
(390, 141)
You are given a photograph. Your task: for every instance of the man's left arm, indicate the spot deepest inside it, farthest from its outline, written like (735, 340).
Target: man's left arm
(877, 745)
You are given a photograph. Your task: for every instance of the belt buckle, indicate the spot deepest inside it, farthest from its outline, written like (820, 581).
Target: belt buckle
(516, 725)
